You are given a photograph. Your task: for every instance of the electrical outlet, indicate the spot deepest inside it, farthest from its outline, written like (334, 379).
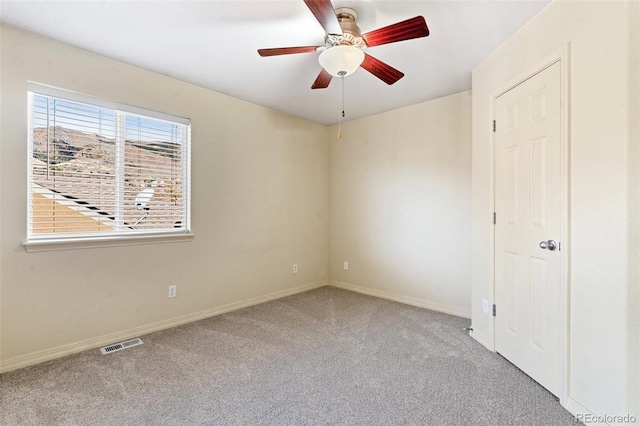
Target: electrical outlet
(295, 268)
(485, 306)
(172, 291)
(345, 266)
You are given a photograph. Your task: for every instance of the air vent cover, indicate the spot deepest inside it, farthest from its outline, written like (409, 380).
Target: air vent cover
(120, 346)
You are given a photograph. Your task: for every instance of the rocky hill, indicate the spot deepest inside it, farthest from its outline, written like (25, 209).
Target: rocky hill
(81, 165)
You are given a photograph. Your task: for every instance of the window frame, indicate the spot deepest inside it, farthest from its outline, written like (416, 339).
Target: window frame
(51, 241)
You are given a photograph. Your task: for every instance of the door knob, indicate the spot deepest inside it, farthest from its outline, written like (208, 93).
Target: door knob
(549, 245)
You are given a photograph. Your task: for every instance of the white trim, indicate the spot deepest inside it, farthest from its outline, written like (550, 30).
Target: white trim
(104, 103)
(96, 342)
(186, 177)
(111, 241)
(565, 221)
(562, 55)
(575, 408)
(29, 187)
(65, 240)
(420, 303)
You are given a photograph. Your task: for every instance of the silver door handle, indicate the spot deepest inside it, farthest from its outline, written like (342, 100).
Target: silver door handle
(548, 245)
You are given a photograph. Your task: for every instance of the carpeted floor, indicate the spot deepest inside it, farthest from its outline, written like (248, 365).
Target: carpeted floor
(327, 356)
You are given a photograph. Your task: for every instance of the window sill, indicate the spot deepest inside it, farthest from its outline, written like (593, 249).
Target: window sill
(85, 243)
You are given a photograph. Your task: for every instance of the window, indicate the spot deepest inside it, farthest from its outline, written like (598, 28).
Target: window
(98, 169)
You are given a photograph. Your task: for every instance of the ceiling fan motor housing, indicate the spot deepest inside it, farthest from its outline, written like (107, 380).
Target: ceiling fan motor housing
(347, 19)
(351, 35)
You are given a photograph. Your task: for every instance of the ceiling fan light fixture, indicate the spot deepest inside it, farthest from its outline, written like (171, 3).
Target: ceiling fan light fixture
(341, 60)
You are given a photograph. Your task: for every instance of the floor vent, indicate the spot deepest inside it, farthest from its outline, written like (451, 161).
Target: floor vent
(120, 346)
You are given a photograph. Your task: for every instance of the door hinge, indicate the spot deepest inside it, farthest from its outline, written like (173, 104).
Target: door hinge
(494, 125)
(494, 310)
(494, 218)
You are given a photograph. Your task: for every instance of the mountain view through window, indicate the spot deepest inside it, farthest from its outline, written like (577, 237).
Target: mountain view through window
(96, 170)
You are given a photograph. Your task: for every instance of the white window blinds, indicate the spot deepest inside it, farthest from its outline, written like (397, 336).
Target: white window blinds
(98, 171)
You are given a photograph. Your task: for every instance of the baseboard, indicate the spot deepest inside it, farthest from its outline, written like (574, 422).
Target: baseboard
(421, 303)
(64, 350)
(577, 409)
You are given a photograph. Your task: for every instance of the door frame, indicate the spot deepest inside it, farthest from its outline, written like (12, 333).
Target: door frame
(562, 56)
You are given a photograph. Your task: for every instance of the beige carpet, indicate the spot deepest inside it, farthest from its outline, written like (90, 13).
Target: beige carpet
(327, 356)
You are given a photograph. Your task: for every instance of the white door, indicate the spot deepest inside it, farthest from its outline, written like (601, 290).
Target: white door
(528, 212)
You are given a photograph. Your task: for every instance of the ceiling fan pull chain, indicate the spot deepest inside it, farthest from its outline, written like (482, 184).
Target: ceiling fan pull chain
(341, 116)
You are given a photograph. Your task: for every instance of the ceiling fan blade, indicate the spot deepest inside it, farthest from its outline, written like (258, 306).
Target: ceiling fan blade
(323, 80)
(384, 72)
(286, 50)
(324, 13)
(405, 30)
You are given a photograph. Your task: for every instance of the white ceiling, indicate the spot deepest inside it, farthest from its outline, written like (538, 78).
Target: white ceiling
(213, 44)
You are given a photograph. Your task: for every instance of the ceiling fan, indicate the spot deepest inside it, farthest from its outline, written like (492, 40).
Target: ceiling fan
(342, 52)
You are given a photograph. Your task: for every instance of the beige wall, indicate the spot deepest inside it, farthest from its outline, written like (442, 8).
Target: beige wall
(400, 192)
(260, 204)
(633, 183)
(603, 291)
